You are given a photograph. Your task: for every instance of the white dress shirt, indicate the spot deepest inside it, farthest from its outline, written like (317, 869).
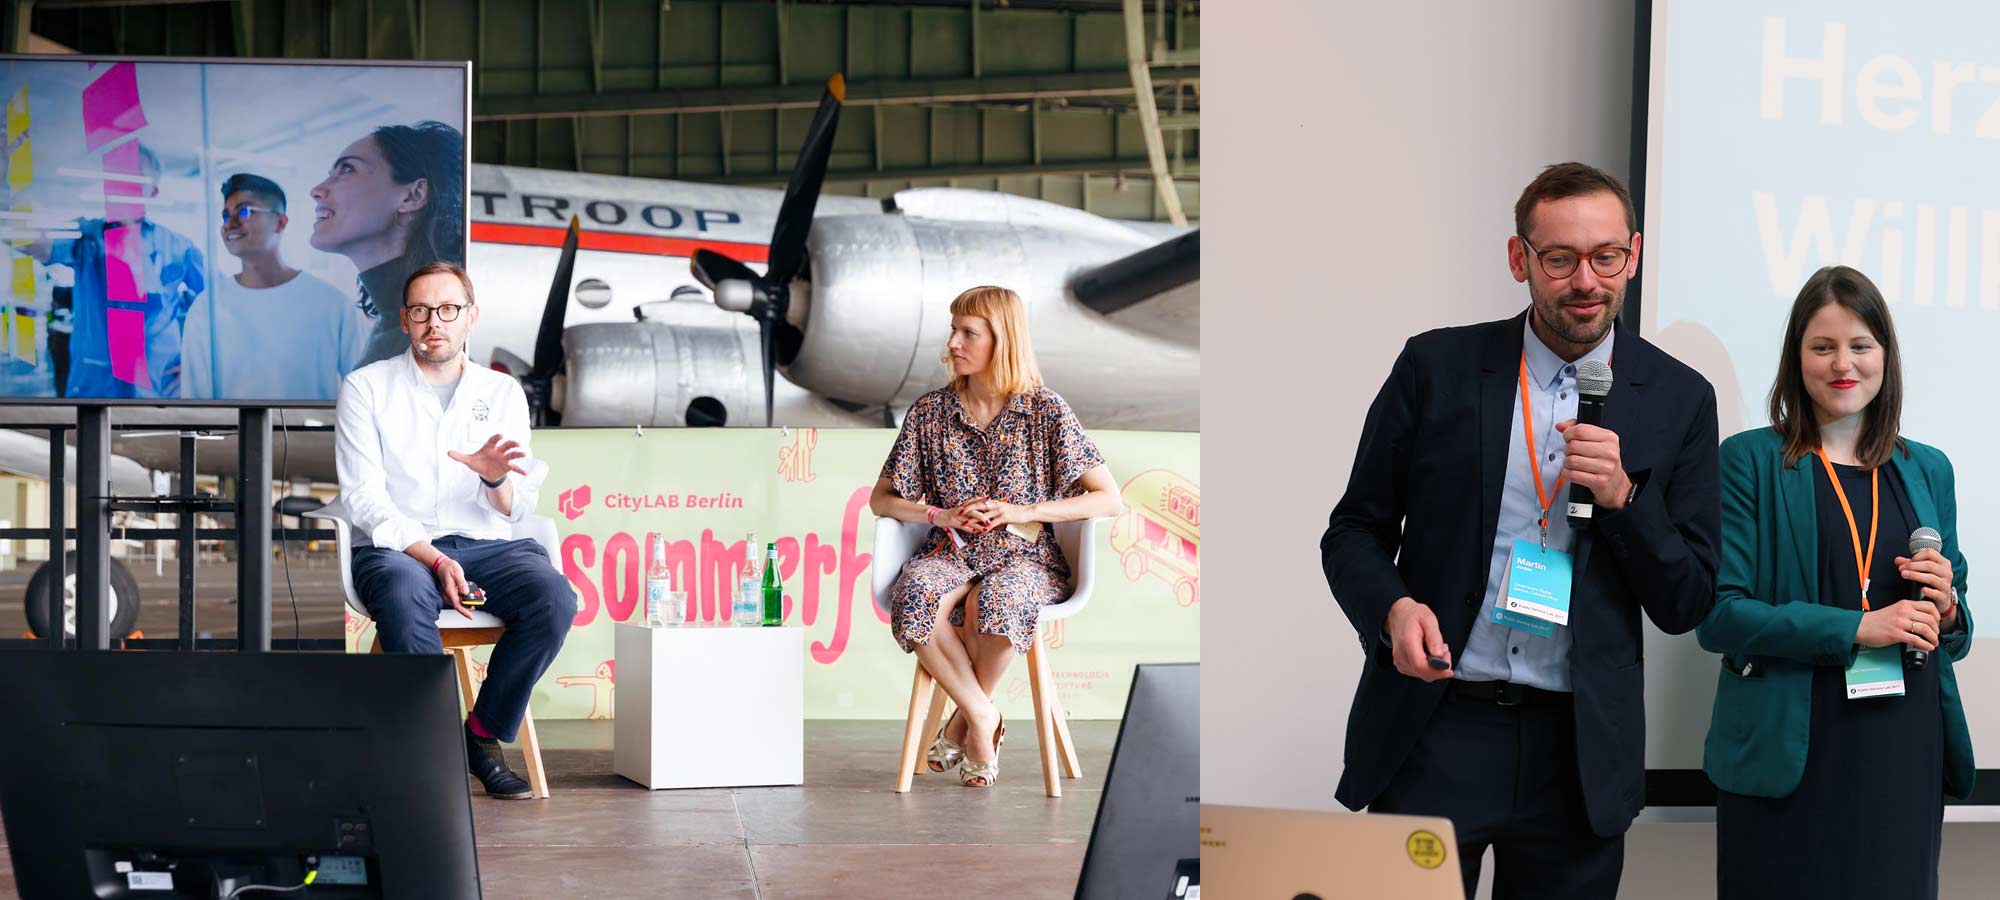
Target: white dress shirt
(390, 441)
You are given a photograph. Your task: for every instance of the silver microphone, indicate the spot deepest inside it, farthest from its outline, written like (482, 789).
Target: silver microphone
(1922, 539)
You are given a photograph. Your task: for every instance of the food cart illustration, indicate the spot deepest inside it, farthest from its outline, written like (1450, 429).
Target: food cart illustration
(1160, 532)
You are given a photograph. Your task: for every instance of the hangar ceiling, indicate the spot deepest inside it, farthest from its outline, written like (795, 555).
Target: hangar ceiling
(1031, 97)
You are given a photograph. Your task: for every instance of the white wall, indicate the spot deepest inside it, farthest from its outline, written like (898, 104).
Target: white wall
(1364, 161)
(1367, 159)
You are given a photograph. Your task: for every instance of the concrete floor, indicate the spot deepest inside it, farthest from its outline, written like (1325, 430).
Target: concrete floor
(844, 834)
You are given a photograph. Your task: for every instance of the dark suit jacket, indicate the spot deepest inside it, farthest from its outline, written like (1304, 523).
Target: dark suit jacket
(1419, 517)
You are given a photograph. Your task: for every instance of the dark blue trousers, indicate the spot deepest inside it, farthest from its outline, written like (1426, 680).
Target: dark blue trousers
(522, 588)
(1506, 777)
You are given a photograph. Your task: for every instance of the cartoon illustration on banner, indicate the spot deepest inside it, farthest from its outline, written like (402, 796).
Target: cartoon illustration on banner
(1160, 533)
(795, 461)
(600, 684)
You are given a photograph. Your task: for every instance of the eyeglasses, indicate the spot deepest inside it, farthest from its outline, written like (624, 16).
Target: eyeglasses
(1561, 263)
(447, 312)
(242, 213)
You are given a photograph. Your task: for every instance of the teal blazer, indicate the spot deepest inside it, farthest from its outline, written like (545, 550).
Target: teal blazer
(1768, 615)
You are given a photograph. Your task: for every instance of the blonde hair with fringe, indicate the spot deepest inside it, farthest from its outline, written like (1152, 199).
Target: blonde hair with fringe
(1012, 370)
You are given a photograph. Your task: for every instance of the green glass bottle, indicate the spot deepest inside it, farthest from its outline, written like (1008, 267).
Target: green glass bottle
(774, 589)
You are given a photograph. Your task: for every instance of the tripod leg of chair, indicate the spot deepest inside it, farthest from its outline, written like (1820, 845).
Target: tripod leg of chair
(913, 735)
(1045, 726)
(1072, 768)
(531, 748)
(939, 700)
(461, 660)
(1065, 745)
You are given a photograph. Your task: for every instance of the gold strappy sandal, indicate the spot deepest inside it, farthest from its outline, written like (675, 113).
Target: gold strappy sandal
(973, 773)
(945, 754)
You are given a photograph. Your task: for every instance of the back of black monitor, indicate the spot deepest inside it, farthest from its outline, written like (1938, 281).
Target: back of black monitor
(193, 774)
(1147, 836)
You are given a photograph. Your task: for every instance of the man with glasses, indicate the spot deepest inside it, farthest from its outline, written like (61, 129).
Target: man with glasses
(269, 310)
(432, 451)
(1527, 730)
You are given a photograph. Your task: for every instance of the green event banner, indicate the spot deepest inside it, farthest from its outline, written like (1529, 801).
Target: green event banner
(706, 490)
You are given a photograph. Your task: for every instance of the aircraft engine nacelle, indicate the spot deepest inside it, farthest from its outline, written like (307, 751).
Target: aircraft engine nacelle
(652, 372)
(877, 313)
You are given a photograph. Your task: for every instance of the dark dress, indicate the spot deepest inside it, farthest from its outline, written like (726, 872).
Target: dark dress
(1866, 820)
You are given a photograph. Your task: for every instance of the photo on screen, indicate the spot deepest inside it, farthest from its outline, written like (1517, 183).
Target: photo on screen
(219, 232)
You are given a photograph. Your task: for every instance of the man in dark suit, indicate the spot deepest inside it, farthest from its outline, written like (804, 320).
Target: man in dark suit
(1529, 735)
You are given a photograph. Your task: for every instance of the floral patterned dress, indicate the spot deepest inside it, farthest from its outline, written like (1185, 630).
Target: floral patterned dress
(1034, 450)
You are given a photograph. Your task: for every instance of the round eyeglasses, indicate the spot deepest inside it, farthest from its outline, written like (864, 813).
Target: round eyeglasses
(446, 312)
(1561, 262)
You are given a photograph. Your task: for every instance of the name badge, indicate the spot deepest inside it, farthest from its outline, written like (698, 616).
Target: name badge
(1535, 595)
(1876, 672)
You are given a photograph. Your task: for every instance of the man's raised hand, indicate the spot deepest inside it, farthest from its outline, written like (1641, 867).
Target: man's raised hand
(494, 459)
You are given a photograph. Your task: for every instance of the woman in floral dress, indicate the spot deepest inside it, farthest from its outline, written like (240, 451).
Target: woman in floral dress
(989, 460)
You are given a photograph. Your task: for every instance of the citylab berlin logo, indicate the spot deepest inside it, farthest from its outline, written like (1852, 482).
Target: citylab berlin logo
(574, 501)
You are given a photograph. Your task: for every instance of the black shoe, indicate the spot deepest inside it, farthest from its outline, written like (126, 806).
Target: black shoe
(483, 757)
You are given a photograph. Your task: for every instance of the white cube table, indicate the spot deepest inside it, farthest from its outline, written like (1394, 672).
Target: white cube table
(709, 706)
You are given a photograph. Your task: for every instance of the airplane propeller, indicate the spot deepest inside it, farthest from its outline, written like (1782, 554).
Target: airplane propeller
(767, 297)
(539, 381)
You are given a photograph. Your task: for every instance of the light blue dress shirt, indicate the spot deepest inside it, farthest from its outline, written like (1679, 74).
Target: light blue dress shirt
(1496, 652)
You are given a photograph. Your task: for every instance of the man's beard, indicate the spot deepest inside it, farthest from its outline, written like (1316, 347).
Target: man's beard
(1574, 332)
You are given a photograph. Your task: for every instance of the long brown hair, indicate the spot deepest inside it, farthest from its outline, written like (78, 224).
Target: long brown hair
(1792, 408)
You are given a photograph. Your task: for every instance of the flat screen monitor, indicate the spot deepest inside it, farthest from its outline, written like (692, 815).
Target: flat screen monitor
(1146, 843)
(148, 775)
(217, 232)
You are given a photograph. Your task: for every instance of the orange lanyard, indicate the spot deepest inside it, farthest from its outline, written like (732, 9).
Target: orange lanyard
(1861, 563)
(1547, 497)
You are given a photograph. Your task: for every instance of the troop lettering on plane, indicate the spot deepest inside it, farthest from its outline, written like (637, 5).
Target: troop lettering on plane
(611, 213)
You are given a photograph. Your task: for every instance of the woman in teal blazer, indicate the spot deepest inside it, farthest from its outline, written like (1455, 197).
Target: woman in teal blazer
(1816, 731)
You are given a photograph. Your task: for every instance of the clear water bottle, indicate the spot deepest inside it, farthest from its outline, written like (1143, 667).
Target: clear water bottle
(659, 588)
(747, 609)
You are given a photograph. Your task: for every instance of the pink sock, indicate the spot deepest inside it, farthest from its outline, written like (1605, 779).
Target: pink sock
(478, 729)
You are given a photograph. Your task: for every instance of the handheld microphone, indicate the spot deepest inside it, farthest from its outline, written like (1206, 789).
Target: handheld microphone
(1920, 540)
(1593, 382)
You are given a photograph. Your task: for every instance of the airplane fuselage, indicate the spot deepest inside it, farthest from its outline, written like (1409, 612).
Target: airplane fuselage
(879, 281)
(637, 235)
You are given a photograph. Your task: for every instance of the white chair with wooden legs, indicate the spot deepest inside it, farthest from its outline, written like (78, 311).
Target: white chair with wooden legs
(459, 634)
(895, 542)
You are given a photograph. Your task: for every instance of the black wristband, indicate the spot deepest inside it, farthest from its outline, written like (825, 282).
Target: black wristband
(493, 484)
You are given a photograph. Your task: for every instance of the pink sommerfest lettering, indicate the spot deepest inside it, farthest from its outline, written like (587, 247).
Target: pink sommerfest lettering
(610, 580)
